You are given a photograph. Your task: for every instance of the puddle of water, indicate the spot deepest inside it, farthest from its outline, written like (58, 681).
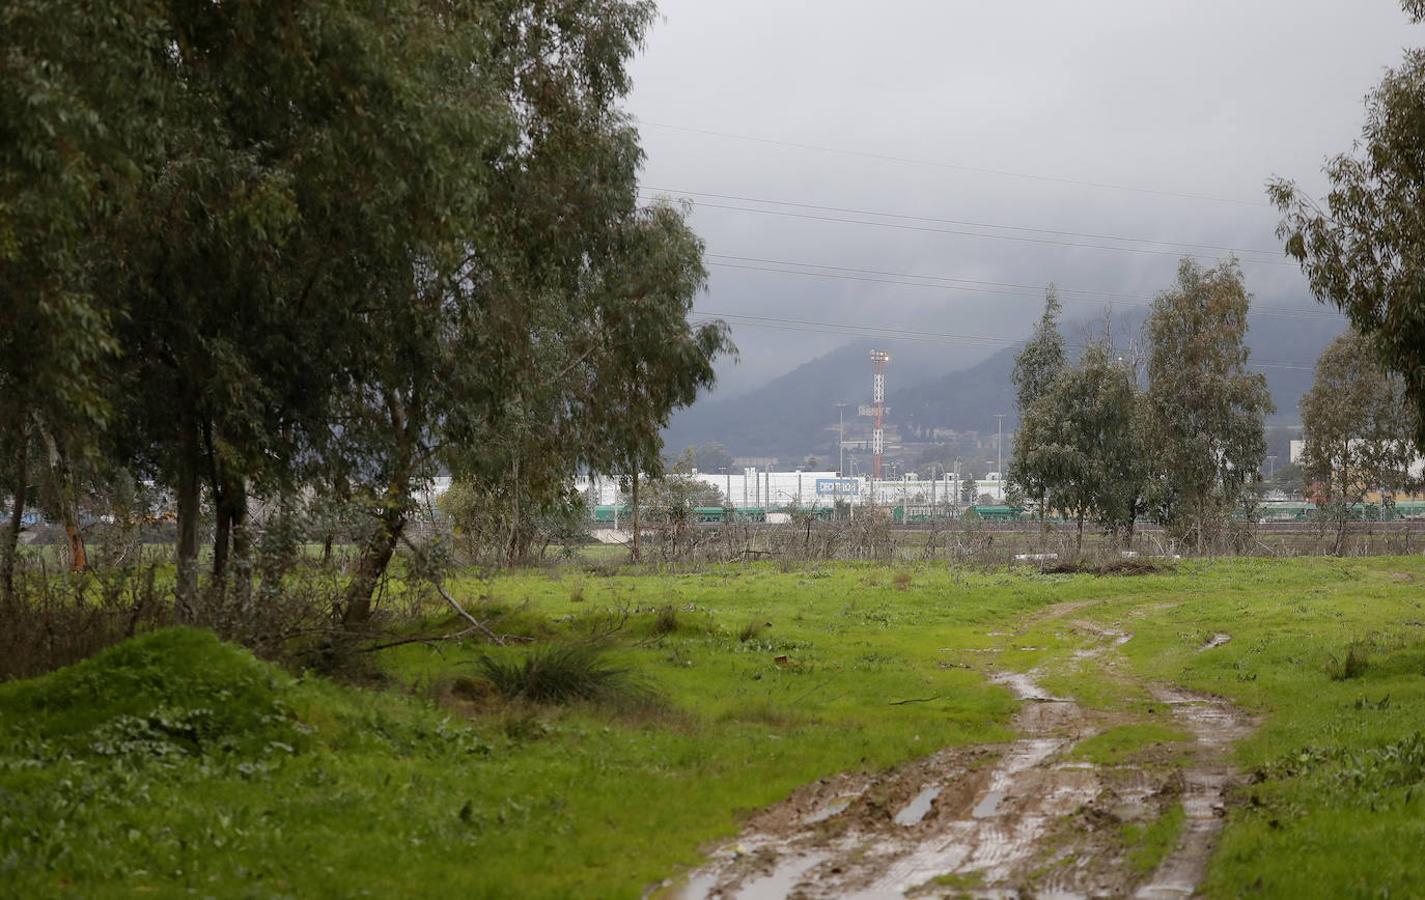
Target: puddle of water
(1215, 724)
(1217, 640)
(997, 824)
(776, 886)
(988, 805)
(1023, 686)
(917, 808)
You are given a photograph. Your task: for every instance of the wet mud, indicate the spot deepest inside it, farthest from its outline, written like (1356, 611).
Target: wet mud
(1022, 819)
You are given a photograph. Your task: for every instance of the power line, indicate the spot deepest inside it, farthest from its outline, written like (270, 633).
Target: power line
(1027, 228)
(953, 278)
(1006, 173)
(840, 328)
(873, 276)
(999, 237)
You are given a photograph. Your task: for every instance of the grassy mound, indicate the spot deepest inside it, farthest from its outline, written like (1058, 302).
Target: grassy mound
(182, 689)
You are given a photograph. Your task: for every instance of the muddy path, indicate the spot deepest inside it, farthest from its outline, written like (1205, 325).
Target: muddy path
(1027, 818)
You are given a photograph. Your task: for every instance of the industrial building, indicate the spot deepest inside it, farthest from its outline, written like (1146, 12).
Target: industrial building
(752, 488)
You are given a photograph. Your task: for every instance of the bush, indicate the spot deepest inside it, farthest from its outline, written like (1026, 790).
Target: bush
(562, 674)
(1353, 665)
(56, 621)
(666, 621)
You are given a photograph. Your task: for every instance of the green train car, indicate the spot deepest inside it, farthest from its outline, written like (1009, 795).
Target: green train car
(1305, 511)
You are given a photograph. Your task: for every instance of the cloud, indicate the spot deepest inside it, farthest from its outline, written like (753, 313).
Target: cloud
(1204, 98)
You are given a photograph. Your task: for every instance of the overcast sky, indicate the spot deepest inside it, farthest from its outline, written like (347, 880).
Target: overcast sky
(1206, 98)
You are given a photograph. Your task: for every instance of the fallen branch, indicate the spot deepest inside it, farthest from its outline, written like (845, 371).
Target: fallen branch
(914, 700)
(455, 604)
(418, 639)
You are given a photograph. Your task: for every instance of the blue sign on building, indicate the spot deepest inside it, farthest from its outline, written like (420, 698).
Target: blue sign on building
(837, 487)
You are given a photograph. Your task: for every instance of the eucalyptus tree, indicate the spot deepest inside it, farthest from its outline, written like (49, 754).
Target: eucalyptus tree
(1083, 435)
(1205, 412)
(312, 156)
(1364, 251)
(75, 81)
(551, 331)
(1359, 430)
(1035, 369)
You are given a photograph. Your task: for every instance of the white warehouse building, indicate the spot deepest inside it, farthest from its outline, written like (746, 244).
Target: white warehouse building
(755, 488)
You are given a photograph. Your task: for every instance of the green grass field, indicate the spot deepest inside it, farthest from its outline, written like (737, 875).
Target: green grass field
(174, 765)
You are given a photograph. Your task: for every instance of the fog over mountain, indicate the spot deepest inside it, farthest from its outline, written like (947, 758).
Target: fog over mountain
(795, 414)
(913, 175)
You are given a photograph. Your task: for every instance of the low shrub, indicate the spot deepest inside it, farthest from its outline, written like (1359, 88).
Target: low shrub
(562, 674)
(666, 620)
(1352, 665)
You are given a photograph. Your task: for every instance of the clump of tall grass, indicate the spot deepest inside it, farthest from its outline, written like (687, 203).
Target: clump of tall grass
(1352, 665)
(666, 620)
(751, 631)
(564, 674)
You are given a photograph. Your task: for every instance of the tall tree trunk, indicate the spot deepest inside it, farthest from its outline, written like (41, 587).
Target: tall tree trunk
(635, 546)
(188, 489)
(66, 495)
(371, 565)
(21, 475)
(515, 543)
(235, 494)
(222, 532)
(381, 545)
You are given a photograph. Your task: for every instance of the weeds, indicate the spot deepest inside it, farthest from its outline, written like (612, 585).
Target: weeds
(752, 630)
(1352, 665)
(666, 620)
(563, 674)
(901, 581)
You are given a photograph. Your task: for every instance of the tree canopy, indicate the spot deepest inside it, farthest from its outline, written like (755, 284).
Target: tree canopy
(1364, 251)
(251, 250)
(1205, 412)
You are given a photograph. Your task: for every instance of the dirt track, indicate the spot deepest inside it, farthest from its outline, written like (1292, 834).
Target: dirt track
(1019, 819)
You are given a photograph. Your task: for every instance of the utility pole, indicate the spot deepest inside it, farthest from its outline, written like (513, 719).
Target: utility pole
(840, 439)
(840, 447)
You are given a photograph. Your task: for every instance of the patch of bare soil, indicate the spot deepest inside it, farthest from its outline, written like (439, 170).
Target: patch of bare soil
(1020, 819)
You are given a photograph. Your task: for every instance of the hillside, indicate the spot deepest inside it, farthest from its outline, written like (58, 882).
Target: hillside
(795, 414)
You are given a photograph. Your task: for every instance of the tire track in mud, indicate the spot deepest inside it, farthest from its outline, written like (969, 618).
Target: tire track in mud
(1008, 820)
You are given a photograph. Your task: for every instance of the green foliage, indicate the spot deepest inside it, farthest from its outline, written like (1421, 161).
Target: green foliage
(750, 631)
(179, 686)
(1080, 442)
(562, 673)
(1362, 252)
(666, 620)
(1352, 664)
(380, 792)
(1359, 430)
(1205, 413)
(1036, 368)
(1124, 743)
(1043, 357)
(1148, 845)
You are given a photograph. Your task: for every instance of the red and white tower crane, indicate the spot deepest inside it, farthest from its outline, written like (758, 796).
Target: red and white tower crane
(879, 358)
